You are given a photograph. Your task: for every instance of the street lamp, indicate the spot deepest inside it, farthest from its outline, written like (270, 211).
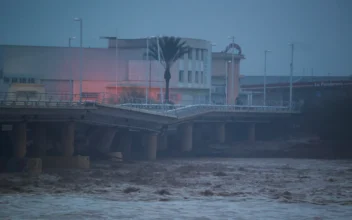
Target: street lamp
(148, 73)
(226, 78)
(265, 54)
(291, 73)
(210, 81)
(161, 89)
(81, 56)
(71, 81)
(232, 66)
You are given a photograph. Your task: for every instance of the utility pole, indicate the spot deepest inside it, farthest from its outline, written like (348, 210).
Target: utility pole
(264, 87)
(291, 74)
(71, 81)
(147, 75)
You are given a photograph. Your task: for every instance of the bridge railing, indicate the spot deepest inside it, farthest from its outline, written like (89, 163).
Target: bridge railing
(52, 100)
(45, 100)
(181, 110)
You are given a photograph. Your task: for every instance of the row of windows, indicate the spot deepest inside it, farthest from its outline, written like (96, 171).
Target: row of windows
(200, 54)
(199, 77)
(18, 80)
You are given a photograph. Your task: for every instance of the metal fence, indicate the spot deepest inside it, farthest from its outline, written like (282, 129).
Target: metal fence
(24, 99)
(52, 100)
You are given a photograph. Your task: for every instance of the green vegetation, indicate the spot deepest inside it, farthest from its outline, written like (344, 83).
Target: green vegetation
(171, 49)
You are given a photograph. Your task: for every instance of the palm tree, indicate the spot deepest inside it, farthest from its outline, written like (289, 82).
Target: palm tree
(171, 49)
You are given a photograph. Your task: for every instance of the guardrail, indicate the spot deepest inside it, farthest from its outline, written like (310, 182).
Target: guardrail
(58, 100)
(21, 99)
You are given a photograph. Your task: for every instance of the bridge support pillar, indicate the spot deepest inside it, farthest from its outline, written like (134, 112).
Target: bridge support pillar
(251, 132)
(67, 139)
(39, 140)
(152, 145)
(220, 132)
(20, 140)
(125, 144)
(162, 142)
(106, 140)
(185, 136)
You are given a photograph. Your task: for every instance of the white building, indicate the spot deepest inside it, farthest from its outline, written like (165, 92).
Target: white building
(104, 70)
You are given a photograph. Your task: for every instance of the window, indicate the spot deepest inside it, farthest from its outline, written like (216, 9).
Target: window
(190, 76)
(197, 54)
(202, 77)
(180, 76)
(23, 80)
(190, 54)
(205, 78)
(202, 55)
(14, 80)
(196, 77)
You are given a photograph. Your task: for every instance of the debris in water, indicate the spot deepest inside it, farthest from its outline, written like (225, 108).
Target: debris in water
(131, 189)
(207, 193)
(220, 173)
(163, 192)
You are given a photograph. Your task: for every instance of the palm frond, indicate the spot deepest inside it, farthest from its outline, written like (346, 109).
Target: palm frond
(171, 49)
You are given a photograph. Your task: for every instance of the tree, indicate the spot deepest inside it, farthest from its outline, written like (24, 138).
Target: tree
(171, 49)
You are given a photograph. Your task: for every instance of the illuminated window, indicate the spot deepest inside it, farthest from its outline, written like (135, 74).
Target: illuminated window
(190, 76)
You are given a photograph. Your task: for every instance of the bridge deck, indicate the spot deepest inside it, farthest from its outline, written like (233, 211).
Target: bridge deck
(147, 116)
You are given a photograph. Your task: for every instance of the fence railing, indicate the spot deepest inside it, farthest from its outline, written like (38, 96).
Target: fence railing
(45, 100)
(52, 100)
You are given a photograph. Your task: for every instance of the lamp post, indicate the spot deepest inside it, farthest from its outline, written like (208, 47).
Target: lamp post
(117, 61)
(232, 90)
(148, 74)
(210, 72)
(71, 81)
(291, 74)
(161, 88)
(81, 56)
(226, 78)
(264, 87)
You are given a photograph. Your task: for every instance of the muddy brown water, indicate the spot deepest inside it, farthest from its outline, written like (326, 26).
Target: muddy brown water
(184, 189)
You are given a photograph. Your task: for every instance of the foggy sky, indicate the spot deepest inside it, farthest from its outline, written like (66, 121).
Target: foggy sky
(321, 29)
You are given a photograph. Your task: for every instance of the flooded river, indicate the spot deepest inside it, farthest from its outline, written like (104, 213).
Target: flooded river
(184, 189)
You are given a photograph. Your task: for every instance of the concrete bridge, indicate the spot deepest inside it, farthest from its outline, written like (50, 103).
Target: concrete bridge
(53, 116)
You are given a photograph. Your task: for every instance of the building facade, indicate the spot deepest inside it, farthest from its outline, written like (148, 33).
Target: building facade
(123, 69)
(226, 75)
(304, 89)
(109, 70)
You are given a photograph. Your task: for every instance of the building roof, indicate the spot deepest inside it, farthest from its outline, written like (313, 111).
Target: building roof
(259, 80)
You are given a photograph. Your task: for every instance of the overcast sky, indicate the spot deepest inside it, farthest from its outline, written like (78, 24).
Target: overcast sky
(321, 29)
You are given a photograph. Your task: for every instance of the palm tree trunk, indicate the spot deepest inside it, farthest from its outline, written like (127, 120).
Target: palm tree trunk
(167, 77)
(167, 82)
